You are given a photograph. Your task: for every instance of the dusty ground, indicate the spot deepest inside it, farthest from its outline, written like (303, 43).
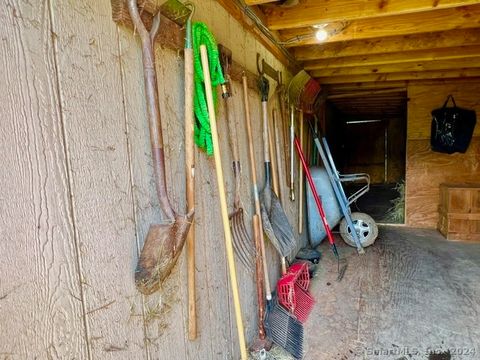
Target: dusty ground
(413, 295)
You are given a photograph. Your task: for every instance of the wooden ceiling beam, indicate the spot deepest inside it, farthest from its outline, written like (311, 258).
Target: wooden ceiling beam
(312, 12)
(383, 79)
(351, 87)
(258, 2)
(412, 66)
(465, 17)
(426, 41)
(458, 52)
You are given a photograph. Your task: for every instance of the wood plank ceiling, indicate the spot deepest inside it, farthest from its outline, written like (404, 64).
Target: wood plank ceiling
(377, 44)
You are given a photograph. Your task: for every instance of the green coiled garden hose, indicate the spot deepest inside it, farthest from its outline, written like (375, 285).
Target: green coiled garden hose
(202, 36)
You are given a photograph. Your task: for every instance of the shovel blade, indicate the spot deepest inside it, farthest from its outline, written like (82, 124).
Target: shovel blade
(160, 252)
(175, 11)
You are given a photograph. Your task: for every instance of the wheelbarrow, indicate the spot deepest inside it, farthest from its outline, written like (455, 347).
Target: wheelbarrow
(328, 182)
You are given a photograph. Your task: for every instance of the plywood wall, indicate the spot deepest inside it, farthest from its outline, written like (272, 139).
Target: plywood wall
(78, 194)
(426, 169)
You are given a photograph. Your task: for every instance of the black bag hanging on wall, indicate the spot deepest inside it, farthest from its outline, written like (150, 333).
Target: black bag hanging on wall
(452, 128)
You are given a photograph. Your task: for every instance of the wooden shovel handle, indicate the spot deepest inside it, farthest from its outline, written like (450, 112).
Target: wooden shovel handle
(300, 177)
(190, 183)
(259, 281)
(268, 292)
(223, 203)
(278, 155)
(273, 159)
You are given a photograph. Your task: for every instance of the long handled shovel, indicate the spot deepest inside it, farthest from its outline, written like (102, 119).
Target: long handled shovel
(223, 202)
(164, 241)
(190, 174)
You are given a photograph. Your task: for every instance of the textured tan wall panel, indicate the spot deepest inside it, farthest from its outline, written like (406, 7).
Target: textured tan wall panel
(91, 100)
(40, 296)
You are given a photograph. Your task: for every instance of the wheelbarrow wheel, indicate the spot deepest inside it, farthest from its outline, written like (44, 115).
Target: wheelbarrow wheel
(365, 226)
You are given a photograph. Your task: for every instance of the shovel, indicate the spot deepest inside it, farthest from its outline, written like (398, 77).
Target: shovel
(164, 241)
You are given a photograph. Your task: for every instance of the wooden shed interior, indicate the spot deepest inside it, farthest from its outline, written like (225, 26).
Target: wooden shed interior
(392, 61)
(78, 190)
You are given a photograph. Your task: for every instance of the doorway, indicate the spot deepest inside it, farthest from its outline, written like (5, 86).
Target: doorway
(368, 135)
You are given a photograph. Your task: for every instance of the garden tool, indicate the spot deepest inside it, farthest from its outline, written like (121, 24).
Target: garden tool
(261, 268)
(164, 241)
(189, 169)
(275, 221)
(223, 201)
(284, 329)
(281, 326)
(283, 124)
(340, 270)
(292, 136)
(176, 11)
(278, 155)
(300, 178)
(242, 243)
(292, 290)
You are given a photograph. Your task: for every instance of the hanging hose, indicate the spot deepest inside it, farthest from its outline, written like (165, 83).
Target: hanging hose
(202, 36)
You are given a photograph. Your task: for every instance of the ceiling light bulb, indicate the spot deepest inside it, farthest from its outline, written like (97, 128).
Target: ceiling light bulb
(321, 34)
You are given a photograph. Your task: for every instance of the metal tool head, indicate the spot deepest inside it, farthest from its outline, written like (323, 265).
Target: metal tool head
(242, 243)
(160, 252)
(276, 224)
(226, 63)
(176, 11)
(341, 268)
(284, 329)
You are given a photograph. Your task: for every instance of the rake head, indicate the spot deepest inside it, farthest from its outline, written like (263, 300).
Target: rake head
(242, 243)
(300, 271)
(293, 298)
(293, 292)
(284, 329)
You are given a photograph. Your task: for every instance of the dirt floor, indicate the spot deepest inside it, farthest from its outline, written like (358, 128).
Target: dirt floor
(413, 295)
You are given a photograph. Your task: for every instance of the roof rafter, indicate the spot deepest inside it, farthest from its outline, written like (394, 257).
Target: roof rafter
(465, 17)
(312, 12)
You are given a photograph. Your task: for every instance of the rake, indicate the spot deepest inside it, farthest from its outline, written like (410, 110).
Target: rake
(280, 326)
(242, 243)
(284, 329)
(293, 293)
